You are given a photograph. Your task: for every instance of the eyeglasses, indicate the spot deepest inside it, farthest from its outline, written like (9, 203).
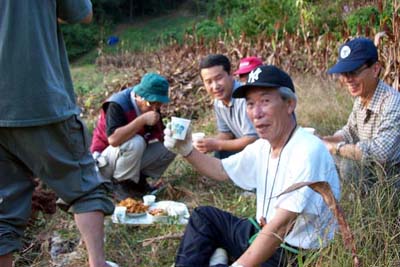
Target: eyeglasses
(355, 73)
(152, 104)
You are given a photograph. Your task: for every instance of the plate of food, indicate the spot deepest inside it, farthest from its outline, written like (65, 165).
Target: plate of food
(134, 215)
(134, 208)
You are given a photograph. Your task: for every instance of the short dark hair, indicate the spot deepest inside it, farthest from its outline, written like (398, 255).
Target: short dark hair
(216, 60)
(370, 62)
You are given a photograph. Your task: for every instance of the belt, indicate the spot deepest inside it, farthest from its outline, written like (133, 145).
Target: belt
(283, 245)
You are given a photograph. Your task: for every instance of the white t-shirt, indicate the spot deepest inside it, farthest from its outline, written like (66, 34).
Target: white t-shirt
(303, 159)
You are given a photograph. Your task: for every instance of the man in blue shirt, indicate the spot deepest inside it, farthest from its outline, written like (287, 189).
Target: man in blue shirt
(235, 130)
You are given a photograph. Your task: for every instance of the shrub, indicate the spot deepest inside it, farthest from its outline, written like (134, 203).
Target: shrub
(250, 17)
(365, 16)
(208, 29)
(226, 7)
(80, 39)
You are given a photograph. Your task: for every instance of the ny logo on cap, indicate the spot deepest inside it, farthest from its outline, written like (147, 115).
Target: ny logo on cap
(253, 76)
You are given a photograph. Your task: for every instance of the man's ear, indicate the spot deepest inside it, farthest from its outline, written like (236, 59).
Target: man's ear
(291, 105)
(377, 69)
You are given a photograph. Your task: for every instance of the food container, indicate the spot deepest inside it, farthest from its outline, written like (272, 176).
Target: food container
(119, 213)
(158, 214)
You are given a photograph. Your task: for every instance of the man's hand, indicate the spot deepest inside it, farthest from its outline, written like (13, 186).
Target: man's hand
(330, 146)
(349, 151)
(331, 141)
(183, 147)
(268, 239)
(207, 145)
(86, 20)
(151, 117)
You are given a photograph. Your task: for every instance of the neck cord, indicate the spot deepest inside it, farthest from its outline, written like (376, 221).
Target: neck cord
(276, 172)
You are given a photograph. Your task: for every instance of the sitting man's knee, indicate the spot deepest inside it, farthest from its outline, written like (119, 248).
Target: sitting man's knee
(202, 211)
(135, 143)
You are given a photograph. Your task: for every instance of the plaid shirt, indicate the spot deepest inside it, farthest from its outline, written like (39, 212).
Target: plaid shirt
(376, 128)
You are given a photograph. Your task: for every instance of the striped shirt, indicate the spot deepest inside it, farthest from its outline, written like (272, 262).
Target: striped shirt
(375, 129)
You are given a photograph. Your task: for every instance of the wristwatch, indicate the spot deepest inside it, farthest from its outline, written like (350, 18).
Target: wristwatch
(338, 146)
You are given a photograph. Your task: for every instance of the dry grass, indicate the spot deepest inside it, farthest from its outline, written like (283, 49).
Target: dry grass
(322, 103)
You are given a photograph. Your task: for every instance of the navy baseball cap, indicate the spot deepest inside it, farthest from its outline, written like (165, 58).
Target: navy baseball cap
(354, 54)
(265, 76)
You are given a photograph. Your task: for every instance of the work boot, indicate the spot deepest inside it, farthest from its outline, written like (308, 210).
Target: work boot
(121, 191)
(143, 186)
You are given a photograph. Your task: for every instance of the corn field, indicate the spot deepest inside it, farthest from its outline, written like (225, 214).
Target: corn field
(299, 53)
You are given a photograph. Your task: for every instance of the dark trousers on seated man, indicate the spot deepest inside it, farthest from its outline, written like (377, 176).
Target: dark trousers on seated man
(224, 154)
(210, 228)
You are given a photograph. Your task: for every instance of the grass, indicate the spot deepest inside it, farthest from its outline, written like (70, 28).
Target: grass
(92, 87)
(146, 34)
(322, 104)
(87, 80)
(151, 34)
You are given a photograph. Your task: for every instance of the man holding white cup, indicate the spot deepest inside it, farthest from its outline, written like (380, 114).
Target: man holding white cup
(286, 225)
(197, 136)
(235, 130)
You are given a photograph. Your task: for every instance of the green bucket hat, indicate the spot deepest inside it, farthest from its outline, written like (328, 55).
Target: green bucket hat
(153, 88)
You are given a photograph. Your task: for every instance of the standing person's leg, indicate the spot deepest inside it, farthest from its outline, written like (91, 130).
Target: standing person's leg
(6, 260)
(210, 228)
(59, 155)
(90, 225)
(16, 187)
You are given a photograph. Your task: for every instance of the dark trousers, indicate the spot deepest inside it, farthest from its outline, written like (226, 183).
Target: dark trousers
(222, 154)
(210, 228)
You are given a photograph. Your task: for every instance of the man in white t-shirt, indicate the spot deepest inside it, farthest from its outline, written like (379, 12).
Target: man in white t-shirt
(284, 155)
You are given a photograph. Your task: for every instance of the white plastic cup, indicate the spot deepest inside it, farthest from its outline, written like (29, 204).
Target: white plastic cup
(120, 213)
(149, 199)
(197, 136)
(310, 130)
(179, 127)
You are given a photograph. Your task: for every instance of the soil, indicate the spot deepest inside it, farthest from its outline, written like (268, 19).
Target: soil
(43, 200)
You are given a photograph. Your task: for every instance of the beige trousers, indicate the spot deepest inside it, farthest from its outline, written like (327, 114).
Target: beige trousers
(133, 158)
